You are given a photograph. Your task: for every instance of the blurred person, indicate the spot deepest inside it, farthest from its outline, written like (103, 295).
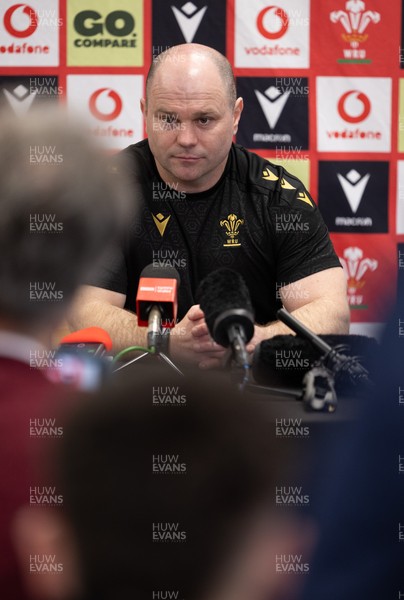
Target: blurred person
(59, 209)
(168, 491)
(360, 490)
(209, 203)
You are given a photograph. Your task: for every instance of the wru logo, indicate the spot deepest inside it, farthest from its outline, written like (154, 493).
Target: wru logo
(232, 224)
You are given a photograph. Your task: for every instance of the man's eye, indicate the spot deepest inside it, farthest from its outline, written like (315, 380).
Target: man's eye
(168, 118)
(204, 120)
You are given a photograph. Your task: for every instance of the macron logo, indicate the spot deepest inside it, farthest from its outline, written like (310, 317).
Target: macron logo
(20, 99)
(354, 187)
(272, 103)
(189, 18)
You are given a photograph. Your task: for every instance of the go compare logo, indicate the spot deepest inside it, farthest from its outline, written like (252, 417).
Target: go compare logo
(105, 33)
(118, 24)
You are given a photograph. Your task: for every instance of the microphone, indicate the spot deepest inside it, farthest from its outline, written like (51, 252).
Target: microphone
(318, 383)
(225, 300)
(284, 359)
(91, 340)
(332, 358)
(80, 360)
(156, 301)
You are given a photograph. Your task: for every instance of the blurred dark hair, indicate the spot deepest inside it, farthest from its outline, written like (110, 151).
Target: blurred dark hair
(60, 207)
(112, 497)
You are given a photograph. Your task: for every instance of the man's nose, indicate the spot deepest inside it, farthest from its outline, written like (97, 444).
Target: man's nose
(186, 135)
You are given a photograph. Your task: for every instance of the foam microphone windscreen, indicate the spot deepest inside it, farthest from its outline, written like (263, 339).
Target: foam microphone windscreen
(158, 272)
(283, 360)
(89, 335)
(224, 291)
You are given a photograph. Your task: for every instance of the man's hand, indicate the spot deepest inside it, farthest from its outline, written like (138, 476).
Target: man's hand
(261, 333)
(191, 342)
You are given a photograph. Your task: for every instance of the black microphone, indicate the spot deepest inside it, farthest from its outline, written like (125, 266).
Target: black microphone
(284, 359)
(225, 300)
(332, 358)
(156, 301)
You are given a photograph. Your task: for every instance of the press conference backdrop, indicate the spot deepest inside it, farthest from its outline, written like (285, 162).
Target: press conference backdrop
(322, 81)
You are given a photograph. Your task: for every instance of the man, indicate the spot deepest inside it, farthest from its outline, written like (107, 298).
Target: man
(58, 210)
(212, 204)
(166, 494)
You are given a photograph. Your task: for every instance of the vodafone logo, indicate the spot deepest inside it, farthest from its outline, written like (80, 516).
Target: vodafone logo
(15, 11)
(354, 106)
(355, 115)
(272, 30)
(110, 105)
(100, 99)
(274, 17)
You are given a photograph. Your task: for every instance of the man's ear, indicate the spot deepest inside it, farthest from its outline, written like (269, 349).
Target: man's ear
(46, 553)
(238, 109)
(143, 108)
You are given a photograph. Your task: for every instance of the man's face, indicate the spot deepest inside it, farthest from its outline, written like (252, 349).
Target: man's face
(190, 123)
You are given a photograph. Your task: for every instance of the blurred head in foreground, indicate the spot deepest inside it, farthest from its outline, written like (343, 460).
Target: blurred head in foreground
(167, 491)
(59, 209)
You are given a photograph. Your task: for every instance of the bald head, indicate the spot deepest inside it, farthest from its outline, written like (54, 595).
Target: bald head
(191, 115)
(186, 56)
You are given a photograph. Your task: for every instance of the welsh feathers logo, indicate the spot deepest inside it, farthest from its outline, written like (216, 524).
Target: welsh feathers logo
(356, 266)
(354, 21)
(232, 225)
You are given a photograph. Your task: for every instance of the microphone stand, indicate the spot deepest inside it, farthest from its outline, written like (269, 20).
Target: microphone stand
(319, 383)
(335, 361)
(154, 339)
(159, 354)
